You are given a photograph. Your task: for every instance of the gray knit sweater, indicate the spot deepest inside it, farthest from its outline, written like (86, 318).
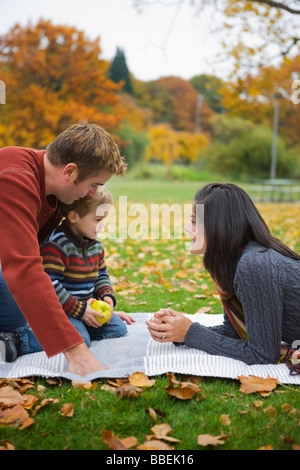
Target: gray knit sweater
(267, 285)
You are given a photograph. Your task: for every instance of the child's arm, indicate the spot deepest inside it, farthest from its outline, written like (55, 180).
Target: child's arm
(55, 262)
(103, 287)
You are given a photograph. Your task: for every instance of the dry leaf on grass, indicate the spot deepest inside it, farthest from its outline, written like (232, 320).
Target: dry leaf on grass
(225, 420)
(255, 384)
(154, 412)
(67, 410)
(130, 391)
(181, 390)
(13, 416)
(154, 445)
(209, 440)
(113, 442)
(81, 385)
(161, 432)
(139, 379)
(6, 445)
(45, 402)
(132, 387)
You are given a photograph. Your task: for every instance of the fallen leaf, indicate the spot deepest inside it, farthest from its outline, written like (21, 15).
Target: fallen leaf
(26, 423)
(225, 420)
(45, 402)
(129, 442)
(10, 397)
(108, 388)
(154, 412)
(209, 440)
(139, 379)
(67, 410)
(203, 310)
(13, 415)
(6, 445)
(181, 390)
(81, 385)
(54, 381)
(154, 445)
(255, 384)
(286, 407)
(112, 441)
(129, 390)
(270, 410)
(161, 429)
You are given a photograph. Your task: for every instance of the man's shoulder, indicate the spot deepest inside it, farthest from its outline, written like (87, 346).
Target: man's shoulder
(20, 159)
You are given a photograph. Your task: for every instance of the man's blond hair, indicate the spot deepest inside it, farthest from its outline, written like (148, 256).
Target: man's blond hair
(90, 147)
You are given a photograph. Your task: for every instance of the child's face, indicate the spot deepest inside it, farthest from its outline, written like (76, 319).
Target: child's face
(89, 225)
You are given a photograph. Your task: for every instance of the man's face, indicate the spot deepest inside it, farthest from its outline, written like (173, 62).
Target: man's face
(88, 187)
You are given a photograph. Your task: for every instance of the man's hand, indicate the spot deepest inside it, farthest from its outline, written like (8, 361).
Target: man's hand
(81, 361)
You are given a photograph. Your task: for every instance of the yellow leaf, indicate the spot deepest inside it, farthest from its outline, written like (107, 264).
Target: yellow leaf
(139, 379)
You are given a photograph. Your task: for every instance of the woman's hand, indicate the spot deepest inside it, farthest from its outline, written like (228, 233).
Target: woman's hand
(168, 325)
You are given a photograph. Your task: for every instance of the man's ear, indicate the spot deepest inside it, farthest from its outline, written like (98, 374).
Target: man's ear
(73, 217)
(70, 172)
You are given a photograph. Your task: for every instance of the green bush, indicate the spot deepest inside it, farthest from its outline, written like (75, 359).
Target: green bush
(241, 149)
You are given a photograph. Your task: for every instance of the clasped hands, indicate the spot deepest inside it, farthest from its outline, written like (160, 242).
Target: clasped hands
(168, 325)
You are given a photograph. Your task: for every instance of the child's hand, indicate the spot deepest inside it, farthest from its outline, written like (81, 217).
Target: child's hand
(125, 317)
(89, 315)
(110, 302)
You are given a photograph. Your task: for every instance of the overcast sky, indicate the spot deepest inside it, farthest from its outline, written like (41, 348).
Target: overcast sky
(160, 41)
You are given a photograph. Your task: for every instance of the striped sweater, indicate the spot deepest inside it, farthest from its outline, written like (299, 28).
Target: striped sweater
(77, 269)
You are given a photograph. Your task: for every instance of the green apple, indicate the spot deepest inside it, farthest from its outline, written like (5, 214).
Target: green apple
(101, 307)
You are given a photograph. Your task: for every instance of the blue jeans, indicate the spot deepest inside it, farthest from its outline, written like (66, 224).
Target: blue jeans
(12, 319)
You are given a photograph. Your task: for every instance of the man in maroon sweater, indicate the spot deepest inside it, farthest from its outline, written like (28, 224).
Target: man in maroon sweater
(32, 181)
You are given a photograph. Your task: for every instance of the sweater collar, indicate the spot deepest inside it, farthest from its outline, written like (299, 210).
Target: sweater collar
(78, 240)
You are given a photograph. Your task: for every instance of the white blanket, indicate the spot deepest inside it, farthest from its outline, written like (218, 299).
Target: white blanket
(137, 352)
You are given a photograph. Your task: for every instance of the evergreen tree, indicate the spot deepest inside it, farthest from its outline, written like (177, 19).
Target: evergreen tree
(119, 72)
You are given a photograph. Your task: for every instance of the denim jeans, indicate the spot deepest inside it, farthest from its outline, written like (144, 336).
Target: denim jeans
(12, 319)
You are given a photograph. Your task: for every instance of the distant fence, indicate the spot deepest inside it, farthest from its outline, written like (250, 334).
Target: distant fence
(278, 190)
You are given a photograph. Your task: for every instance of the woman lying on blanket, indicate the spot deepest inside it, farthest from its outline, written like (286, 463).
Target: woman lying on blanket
(257, 277)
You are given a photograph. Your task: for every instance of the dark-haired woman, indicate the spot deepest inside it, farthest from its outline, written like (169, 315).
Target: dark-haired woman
(257, 277)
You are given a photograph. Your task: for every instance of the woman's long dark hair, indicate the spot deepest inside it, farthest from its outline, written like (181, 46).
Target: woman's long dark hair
(231, 220)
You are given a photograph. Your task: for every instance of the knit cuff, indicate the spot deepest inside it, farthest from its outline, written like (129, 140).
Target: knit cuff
(79, 309)
(108, 294)
(198, 336)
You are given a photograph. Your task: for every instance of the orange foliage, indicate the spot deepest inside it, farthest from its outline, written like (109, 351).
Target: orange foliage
(252, 98)
(53, 78)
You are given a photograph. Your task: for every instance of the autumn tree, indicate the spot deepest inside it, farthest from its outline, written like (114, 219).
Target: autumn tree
(184, 102)
(169, 146)
(253, 97)
(155, 96)
(54, 76)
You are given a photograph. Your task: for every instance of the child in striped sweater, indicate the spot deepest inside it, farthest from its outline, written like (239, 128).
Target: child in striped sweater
(74, 259)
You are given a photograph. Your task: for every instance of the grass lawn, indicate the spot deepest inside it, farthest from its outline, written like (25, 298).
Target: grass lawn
(147, 275)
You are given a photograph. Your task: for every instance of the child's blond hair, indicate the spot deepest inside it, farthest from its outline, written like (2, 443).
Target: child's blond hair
(88, 203)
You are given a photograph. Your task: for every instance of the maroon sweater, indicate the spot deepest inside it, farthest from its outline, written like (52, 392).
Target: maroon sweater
(27, 216)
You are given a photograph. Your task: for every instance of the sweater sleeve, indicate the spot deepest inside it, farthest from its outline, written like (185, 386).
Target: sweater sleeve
(259, 288)
(103, 286)
(22, 264)
(55, 262)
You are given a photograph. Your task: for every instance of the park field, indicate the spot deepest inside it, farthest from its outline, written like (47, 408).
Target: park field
(149, 274)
